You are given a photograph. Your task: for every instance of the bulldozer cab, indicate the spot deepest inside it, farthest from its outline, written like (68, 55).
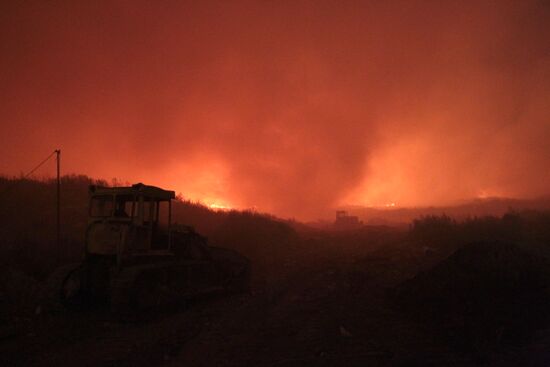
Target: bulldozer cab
(125, 221)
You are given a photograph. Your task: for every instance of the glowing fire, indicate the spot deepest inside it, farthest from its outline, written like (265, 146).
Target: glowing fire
(216, 205)
(486, 194)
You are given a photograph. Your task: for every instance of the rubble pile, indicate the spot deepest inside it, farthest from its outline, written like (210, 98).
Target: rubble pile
(486, 294)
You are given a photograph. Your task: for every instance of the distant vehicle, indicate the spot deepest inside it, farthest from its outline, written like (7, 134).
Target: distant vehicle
(135, 258)
(345, 221)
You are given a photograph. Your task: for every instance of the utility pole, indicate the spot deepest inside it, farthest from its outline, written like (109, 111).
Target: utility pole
(58, 223)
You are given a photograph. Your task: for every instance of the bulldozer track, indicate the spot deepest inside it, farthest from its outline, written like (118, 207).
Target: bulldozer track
(51, 293)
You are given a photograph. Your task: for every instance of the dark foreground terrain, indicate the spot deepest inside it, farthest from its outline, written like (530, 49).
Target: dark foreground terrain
(323, 308)
(339, 299)
(439, 293)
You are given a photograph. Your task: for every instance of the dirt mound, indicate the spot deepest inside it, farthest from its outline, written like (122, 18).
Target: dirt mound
(485, 295)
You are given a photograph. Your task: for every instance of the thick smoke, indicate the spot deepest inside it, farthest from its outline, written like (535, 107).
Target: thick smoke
(289, 107)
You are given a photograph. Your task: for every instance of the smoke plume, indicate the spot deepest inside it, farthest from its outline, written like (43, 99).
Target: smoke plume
(288, 107)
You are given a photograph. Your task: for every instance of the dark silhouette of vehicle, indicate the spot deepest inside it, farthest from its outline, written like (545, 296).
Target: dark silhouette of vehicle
(345, 221)
(136, 259)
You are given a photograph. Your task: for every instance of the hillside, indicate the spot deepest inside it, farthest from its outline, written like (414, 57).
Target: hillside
(27, 217)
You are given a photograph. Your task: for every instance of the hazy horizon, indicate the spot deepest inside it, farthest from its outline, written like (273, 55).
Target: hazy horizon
(369, 215)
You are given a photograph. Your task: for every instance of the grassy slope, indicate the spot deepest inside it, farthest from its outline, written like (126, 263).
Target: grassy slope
(27, 231)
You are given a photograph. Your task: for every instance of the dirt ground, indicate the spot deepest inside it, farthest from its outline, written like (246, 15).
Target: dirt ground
(321, 306)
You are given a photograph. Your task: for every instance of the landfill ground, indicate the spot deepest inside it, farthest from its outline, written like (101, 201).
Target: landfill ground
(324, 304)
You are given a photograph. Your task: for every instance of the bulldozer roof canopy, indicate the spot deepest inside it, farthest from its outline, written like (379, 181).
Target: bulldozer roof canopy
(137, 190)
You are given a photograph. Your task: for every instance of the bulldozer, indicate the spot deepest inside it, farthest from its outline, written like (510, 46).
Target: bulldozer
(137, 259)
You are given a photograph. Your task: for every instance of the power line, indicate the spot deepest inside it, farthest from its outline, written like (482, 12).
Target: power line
(40, 164)
(29, 173)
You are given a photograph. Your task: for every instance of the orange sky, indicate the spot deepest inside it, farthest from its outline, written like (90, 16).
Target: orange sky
(291, 107)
